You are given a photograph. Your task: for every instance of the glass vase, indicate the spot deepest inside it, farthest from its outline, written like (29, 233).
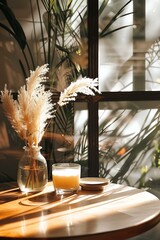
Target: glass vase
(32, 170)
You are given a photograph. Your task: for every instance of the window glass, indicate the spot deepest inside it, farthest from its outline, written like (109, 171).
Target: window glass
(152, 45)
(115, 45)
(129, 142)
(81, 136)
(129, 45)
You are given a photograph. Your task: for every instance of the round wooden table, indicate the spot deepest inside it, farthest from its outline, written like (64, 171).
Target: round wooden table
(117, 212)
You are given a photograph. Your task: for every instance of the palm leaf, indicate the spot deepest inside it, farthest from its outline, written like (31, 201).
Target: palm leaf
(17, 31)
(106, 31)
(102, 6)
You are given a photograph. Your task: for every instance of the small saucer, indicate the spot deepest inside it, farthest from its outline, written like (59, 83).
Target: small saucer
(93, 183)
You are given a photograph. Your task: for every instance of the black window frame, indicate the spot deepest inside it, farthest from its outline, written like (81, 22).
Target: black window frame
(93, 102)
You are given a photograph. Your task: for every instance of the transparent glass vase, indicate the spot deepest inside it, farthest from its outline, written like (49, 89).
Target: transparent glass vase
(32, 173)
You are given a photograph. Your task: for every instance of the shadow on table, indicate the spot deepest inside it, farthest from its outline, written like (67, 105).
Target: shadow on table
(58, 205)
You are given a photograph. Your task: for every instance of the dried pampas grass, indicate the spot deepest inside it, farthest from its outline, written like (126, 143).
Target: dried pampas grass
(29, 114)
(85, 86)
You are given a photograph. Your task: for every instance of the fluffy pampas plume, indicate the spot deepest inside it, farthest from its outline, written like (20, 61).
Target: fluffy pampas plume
(33, 107)
(86, 86)
(29, 114)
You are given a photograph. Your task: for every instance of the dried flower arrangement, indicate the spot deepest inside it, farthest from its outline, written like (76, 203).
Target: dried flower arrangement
(29, 114)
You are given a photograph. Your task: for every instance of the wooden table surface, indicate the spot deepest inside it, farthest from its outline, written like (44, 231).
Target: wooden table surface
(117, 212)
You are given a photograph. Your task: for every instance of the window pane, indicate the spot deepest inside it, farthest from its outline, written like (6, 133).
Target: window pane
(129, 142)
(81, 136)
(153, 42)
(129, 46)
(115, 48)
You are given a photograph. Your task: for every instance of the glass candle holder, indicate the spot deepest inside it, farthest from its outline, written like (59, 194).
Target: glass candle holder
(66, 177)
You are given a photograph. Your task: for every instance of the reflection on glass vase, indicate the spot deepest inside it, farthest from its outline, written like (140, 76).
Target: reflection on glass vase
(32, 170)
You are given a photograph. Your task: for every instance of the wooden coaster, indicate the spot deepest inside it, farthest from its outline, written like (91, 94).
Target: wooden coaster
(93, 183)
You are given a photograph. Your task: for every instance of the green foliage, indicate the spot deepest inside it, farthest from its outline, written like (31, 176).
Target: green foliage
(106, 31)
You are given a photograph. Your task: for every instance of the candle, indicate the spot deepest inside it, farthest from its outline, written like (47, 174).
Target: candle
(66, 177)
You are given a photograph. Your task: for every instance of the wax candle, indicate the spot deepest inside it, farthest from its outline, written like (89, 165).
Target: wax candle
(66, 177)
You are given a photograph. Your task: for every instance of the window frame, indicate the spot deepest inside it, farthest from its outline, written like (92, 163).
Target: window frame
(93, 102)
